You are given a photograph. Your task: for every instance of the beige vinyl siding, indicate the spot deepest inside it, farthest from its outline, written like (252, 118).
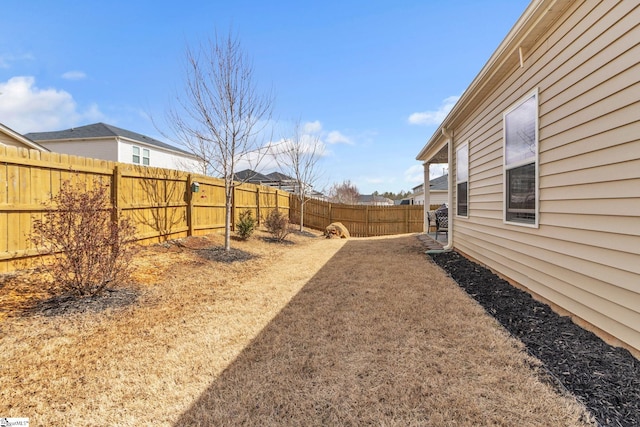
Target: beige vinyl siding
(10, 141)
(7, 140)
(585, 254)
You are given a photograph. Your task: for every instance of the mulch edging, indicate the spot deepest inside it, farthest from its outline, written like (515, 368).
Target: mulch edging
(604, 378)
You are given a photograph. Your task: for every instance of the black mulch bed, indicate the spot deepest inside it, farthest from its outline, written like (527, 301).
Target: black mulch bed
(61, 305)
(604, 378)
(218, 253)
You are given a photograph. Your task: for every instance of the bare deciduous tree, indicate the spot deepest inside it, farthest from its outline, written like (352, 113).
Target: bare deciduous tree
(298, 157)
(346, 193)
(221, 116)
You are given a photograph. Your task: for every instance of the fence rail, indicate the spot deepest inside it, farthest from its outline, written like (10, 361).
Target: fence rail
(158, 201)
(361, 220)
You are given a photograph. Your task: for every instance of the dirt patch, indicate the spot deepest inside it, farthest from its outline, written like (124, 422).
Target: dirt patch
(605, 378)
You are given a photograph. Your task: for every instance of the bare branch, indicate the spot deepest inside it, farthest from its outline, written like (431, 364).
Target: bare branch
(346, 193)
(298, 157)
(221, 116)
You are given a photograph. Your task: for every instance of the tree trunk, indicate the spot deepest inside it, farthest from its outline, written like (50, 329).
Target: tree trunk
(302, 214)
(227, 223)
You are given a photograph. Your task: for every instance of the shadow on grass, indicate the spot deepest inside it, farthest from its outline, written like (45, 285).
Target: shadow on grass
(369, 341)
(307, 362)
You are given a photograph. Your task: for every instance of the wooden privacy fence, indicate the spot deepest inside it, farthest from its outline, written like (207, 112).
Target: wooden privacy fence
(158, 201)
(361, 220)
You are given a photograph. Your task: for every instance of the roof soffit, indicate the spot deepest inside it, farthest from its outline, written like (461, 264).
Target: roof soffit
(539, 16)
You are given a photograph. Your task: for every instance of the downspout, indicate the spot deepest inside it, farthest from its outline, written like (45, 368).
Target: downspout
(427, 197)
(449, 246)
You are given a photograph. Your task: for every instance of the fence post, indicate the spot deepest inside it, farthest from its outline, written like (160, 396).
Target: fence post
(366, 221)
(406, 218)
(116, 182)
(189, 198)
(233, 208)
(258, 204)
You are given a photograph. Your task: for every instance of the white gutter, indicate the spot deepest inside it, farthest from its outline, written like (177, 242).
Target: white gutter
(449, 246)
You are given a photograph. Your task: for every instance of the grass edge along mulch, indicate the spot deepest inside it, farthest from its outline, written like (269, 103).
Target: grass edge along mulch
(606, 379)
(381, 336)
(319, 332)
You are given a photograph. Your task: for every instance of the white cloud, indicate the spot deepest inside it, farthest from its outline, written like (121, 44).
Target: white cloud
(415, 174)
(434, 117)
(335, 137)
(312, 127)
(437, 170)
(27, 108)
(6, 60)
(74, 75)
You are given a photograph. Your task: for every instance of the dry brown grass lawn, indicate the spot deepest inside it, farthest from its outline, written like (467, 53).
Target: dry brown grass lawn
(318, 332)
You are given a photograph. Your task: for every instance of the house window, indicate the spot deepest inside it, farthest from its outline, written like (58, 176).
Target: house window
(136, 155)
(462, 180)
(521, 161)
(145, 157)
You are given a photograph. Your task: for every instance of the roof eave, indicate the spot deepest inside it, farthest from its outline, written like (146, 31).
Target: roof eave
(23, 139)
(155, 147)
(537, 16)
(116, 138)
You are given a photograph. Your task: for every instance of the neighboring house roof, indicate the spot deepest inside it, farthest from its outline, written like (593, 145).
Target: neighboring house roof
(277, 176)
(276, 180)
(20, 139)
(370, 199)
(440, 183)
(102, 130)
(249, 175)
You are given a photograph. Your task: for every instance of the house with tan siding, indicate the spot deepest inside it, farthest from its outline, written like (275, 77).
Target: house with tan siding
(11, 138)
(544, 157)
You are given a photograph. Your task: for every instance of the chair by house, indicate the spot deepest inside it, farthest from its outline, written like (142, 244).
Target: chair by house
(442, 221)
(432, 221)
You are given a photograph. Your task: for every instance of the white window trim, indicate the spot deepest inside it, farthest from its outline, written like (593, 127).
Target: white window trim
(133, 154)
(536, 223)
(148, 157)
(464, 146)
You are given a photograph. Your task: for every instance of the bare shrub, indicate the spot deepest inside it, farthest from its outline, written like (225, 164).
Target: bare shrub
(246, 225)
(277, 224)
(87, 243)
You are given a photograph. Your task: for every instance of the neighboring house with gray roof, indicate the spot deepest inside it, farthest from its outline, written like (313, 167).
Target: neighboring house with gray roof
(11, 138)
(374, 200)
(277, 180)
(438, 192)
(103, 141)
(251, 176)
(274, 179)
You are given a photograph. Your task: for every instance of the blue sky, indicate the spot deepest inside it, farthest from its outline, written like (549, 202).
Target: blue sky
(374, 78)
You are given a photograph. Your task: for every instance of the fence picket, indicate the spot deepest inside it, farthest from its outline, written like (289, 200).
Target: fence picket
(158, 201)
(361, 220)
